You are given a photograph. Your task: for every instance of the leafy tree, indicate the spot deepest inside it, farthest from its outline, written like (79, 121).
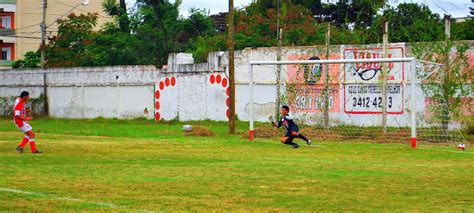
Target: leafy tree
(108, 49)
(408, 22)
(68, 48)
(31, 60)
(463, 30)
(453, 82)
(119, 12)
(197, 24)
(156, 26)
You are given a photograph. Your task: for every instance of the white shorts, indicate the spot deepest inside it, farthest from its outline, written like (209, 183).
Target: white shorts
(26, 127)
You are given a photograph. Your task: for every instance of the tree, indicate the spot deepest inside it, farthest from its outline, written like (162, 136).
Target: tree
(69, 47)
(197, 24)
(31, 60)
(408, 22)
(119, 12)
(463, 30)
(109, 49)
(454, 81)
(156, 25)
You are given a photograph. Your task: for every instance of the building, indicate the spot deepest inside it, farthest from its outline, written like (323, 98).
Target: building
(20, 30)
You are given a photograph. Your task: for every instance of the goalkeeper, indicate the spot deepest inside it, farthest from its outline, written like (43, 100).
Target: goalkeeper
(291, 127)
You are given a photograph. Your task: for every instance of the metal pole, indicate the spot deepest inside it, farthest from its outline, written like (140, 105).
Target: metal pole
(278, 74)
(43, 45)
(384, 78)
(231, 68)
(251, 132)
(413, 101)
(326, 81)
(43, 33)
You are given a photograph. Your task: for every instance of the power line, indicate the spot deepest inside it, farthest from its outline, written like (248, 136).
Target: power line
(80, 9)
(454, 5)
(440, 7)
(33, 25)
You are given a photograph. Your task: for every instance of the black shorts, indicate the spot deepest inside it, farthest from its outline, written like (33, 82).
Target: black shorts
(294, 129)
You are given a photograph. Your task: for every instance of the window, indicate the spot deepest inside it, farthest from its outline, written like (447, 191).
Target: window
(6, 53)
(6, 22)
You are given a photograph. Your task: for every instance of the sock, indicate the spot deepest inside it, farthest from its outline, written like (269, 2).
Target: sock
(289, 141)
(302, 137)
(24, 141)
(32, 145)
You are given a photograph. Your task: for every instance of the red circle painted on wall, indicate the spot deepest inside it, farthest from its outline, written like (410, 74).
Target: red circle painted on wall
(157, 105)
(228, 113)
(227, 91)
(218, 79)
(162, 85)
(167, 82)
(227, 102)
(157, 94)
(212, 79)
(224, 82)
(173, 81)
(157, 116)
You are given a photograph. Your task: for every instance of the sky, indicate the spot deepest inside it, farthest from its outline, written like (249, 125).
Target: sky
(455, 8)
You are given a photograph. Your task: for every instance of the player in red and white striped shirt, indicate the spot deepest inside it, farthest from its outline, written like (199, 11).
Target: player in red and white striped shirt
(21, 121)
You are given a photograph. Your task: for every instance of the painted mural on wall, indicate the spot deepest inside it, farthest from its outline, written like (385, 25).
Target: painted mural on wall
(363, 84)
(305, 85)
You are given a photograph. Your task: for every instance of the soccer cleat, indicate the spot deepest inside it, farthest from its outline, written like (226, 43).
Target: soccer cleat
(296, 145)
(309, 142)
(37, 152)
(19, 149)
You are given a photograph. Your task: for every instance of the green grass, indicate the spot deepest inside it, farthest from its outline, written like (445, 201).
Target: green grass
(140, 165)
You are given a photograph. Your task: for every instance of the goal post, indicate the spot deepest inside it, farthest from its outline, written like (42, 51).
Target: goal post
(413, 83)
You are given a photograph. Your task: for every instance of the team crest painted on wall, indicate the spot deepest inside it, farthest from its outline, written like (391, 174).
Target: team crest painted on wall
(305, 85)
(313, 72)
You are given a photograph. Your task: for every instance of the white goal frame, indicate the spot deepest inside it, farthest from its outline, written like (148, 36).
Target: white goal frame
(413, 82)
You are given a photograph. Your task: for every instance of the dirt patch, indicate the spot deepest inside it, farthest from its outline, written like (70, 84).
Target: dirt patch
(199, 131)
(263, 132)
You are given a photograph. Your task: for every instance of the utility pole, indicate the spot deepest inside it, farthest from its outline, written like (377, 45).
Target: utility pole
(43, 33)
(384, 78)
(326, 80)
(43, 45)
(447, 26)
(231, 68)
(278, 74)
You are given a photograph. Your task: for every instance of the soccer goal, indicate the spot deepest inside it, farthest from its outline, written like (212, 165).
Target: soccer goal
(377, 99)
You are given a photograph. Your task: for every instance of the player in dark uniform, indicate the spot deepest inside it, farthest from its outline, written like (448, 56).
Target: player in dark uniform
(291, 127)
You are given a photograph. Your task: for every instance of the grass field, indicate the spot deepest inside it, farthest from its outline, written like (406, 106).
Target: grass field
(139, 165)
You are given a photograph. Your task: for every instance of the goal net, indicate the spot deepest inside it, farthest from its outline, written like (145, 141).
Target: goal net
(368, 99)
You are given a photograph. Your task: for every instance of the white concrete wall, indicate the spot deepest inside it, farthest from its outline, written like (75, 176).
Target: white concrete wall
(123, 92)
(100, 101)
(112, 92)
